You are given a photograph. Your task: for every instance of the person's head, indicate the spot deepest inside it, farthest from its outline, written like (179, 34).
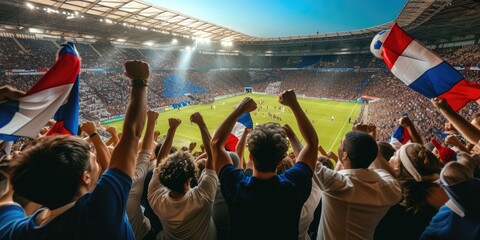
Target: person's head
(284, 165)
(417, 169)
(268, 145)
(177, 170)
(357, 150)
(325, 162)
(385, 149)
(52, 171)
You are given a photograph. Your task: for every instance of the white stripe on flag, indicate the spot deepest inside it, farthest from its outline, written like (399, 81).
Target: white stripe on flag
(35, 110)
(238, 130)
(414, 62)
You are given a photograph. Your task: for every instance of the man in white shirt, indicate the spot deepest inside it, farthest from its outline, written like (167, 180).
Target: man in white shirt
(356, 198)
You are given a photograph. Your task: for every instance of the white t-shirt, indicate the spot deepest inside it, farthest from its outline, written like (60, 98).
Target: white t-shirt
(308, 210)
(189, 217)
(354, 201)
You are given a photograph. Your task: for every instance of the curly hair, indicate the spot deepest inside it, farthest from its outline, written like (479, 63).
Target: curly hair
(176, 169)
(426, 163)
(268, 145)
(49, 170)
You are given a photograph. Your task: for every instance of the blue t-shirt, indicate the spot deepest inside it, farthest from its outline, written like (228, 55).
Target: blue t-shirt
(448, 225)
(265, 209)
(96, 215)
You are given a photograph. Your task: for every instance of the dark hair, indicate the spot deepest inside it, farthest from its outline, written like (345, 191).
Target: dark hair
(49, 171)
(426, 163)
(386, 150)
(361, 149)
(176, 169)
(325, 161)
(268, 145)
(285, 165)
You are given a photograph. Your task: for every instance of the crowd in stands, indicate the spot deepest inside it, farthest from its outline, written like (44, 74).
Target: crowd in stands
(137, 186)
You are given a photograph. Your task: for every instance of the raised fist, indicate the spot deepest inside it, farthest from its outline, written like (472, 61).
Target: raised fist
(137, 70)
(88, 127)
(196, 118)
(174, 122)
(287, 98)
(247, 105)
(152, 116)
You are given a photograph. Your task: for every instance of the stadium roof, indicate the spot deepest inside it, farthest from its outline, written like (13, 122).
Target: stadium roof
(137, 22)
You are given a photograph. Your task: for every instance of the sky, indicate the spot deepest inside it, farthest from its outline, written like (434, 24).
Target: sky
(281, 18)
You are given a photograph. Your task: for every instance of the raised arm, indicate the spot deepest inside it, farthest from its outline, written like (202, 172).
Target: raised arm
(240, 148)
(453, 140)
(470, 132)
(102, 152)
(206, 138)
(220, 155)
(113, 136)
(173, 124)
(125, 153)
(292, 137)
(412, 130)
(308, 154)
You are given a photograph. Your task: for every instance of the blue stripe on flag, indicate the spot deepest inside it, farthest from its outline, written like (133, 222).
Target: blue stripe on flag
(7, 111)
(437, 80)
(6, 137)
(246, 120)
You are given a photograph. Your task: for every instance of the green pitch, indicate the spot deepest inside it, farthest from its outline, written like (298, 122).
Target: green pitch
(320, 112)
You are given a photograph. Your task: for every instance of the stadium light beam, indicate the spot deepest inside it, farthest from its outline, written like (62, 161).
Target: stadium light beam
(29, 5)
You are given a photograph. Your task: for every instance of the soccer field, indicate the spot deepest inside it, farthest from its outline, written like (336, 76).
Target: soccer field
(329, 132)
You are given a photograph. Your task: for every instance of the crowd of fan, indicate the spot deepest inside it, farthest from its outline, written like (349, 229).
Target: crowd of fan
(137, 186)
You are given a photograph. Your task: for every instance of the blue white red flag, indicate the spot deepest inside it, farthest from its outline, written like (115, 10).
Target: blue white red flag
(56, 95)
(244, 121)
(425, 72)
(399, 137)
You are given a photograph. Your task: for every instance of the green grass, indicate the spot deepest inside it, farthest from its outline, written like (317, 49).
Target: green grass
(329, 133)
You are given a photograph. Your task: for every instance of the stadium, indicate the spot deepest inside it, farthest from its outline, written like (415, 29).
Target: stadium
(201, 66)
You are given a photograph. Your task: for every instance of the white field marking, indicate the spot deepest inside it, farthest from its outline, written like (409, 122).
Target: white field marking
(334, 141)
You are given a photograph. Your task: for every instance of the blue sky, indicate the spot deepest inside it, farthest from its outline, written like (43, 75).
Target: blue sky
(279, 18)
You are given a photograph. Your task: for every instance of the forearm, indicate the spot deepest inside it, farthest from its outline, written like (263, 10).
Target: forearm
(148, 138)
(167, 145)
(206, 138)
(102, 152)
(308, 154)
(470, 132)
(295, 142)
(219, 139)
(412, 130)
(322, 151)
(124, 154)
(240, 150)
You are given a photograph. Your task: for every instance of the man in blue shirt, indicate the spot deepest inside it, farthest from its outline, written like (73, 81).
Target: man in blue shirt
(61, 174)
(266, 205)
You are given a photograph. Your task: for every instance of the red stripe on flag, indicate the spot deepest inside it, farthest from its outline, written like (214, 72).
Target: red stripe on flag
(394, 45)
(64, 71)
(462, 93)
(231, 143)
(58, 129)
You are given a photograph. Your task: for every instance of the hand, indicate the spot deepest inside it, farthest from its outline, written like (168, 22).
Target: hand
(10, 93)
(88, 127)
(332, 156)
(248, 130)
(137, 70)
(202, 147)
(247, 105)
(452, 140)
(288, 98)
(174, 122)
(196, 118)
(405, 122)
(152, 116)
(192, 146)
(441, 104)
(112, 130)
(156, 134)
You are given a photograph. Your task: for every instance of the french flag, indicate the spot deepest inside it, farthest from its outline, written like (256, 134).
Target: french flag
(55, 94)
(244, 121)
(425, 72)
(399, 137)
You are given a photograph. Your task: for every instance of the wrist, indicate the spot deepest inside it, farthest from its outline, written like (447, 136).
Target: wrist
(139, 83)
(92, 135)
